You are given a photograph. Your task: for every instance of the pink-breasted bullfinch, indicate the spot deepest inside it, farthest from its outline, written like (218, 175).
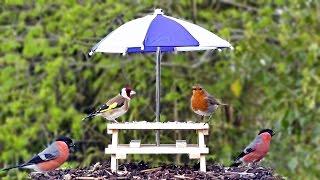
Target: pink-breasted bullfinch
(50, 158)
(202, 103)
(115, 107)
(256, 150)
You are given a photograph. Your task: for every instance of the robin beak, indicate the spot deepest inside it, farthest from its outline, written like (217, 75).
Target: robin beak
(132, 93)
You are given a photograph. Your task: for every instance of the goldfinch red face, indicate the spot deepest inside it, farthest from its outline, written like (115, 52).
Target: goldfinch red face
(127, 92)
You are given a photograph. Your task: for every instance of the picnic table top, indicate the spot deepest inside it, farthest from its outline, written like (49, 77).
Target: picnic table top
(144, 125)
(153, 149)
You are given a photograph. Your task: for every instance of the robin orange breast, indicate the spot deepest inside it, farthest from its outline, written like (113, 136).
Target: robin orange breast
(202, 103)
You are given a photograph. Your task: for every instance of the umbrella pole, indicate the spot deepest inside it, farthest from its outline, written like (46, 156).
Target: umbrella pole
(158, 78)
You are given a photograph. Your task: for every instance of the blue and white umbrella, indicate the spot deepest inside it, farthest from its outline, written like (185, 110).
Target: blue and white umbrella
(158, 33)
(158, 30)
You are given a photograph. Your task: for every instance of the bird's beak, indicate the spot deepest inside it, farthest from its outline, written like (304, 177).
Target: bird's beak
(132, 93)
(72, 147)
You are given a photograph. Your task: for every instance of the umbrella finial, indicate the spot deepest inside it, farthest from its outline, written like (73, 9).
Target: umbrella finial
(158, 11)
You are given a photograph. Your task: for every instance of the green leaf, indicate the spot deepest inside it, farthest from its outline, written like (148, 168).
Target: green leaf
(236, 88)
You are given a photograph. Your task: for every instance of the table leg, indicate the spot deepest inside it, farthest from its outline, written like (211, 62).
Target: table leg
(201, 139)
(114, 160)
(114, 138)
(114, 163)
(203, 163)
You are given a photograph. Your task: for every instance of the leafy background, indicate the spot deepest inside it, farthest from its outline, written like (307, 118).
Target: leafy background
(271, 79)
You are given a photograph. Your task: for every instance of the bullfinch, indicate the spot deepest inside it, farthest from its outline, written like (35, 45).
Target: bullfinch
(115, 107)
(256, 150)
(202, 103)
(50, 158)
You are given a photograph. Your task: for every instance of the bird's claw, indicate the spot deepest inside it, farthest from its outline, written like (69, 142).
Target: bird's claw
(207, 122)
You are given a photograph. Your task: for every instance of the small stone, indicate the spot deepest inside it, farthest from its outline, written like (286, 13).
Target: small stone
(67, 177)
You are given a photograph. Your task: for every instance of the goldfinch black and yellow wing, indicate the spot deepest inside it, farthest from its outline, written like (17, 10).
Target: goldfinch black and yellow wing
(112, 104)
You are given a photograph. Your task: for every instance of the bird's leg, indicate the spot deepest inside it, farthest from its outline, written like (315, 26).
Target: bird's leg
(208, 119)
(248, 167)
(35, 173)
(46, 174)
(202, 118)
(254, 165)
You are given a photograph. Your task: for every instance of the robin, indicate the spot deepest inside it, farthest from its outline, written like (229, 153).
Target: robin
(202, 103)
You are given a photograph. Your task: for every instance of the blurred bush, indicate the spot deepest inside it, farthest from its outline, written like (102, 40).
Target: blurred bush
(271, 79)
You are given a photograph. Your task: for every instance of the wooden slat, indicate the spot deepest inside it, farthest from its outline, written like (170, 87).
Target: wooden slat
(153, 149)
(153, 145)
(181, 143)
(194, 156)
(135, 143)
(157, 126)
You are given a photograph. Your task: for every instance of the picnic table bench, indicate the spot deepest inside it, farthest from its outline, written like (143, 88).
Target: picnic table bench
(120, 151)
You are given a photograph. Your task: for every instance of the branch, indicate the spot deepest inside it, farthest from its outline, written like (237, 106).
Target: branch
(239, 5)
(203, 59)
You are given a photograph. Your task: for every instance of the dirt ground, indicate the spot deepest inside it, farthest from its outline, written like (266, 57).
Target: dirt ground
(142, 170)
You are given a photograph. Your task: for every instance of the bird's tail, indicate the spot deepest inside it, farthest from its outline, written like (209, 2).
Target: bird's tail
(236, 164)
(11, 167)
(90, 116)
(222, 104)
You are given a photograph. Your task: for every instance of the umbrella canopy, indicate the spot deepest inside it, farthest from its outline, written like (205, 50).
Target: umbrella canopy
(145, 34)
(158, 33)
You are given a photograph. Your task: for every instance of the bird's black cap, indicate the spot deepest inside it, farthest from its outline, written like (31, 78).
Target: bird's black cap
(67, 140)
(270, 131)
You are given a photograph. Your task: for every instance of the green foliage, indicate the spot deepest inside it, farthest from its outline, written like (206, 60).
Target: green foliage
(271, 79)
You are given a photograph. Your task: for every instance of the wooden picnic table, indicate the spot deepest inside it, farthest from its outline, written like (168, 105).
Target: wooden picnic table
(120, 151)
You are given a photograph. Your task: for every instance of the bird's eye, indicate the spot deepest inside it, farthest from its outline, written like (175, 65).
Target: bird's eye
(200, 89)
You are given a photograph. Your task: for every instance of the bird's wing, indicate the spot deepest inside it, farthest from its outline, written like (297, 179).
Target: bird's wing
(211, 100)
(51, 152)
(250, 148)
(113, 103)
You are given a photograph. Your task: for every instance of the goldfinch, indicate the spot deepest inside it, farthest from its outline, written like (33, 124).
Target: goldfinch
(115, 107)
